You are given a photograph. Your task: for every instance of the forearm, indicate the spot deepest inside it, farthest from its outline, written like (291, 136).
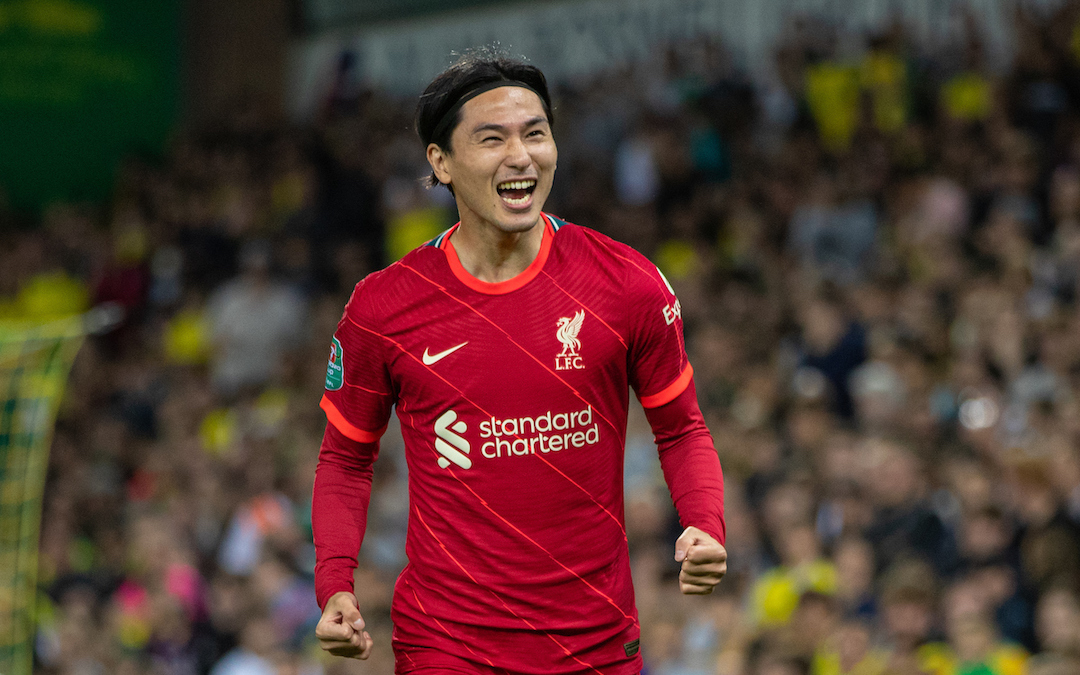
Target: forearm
(339, 507)
(690, 464)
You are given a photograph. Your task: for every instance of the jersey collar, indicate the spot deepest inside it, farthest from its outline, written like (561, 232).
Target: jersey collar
(497, 287)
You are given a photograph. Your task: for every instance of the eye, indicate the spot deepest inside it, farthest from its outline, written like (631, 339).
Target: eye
(536, 133)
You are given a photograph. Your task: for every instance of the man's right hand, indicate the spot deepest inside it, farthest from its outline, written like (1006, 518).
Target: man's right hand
(341, 628)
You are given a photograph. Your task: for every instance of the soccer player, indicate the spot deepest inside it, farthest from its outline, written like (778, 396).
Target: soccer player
(508, 346)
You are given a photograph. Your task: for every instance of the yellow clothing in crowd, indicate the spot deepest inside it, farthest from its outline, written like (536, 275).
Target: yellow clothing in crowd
(49, 295)
(938, 658)
(410, 229)
(967, 97)
(832, 91)
(884, 76)
(186, 338)
(775, 594)
(827, 662)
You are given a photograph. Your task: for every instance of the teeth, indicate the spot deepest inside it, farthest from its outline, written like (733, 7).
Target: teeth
(516, 202)
(516, 185)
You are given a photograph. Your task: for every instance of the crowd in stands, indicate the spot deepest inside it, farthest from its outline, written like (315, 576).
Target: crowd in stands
(878, 257)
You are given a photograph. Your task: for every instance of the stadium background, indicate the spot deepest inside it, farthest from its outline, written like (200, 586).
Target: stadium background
(870, 212)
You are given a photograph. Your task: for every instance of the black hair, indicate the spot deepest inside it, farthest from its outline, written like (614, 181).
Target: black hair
(474, 69)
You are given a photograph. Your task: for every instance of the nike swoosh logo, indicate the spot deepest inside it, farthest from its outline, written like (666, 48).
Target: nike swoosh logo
(429, 359)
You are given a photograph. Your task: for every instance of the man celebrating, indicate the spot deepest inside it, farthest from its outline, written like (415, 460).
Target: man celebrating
(508, 345)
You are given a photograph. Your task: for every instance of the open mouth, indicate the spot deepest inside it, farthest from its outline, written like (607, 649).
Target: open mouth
(516, 192)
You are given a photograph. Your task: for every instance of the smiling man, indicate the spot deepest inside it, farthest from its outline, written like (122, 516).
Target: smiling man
(508, 346)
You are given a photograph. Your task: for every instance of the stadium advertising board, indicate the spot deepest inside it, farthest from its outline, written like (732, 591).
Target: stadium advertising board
(82, 84)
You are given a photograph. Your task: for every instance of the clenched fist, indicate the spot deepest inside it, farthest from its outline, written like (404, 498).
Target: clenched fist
(341, 629)
(704, 562)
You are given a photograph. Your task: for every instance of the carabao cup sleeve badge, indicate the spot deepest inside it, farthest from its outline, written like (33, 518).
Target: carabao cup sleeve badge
(335, 367)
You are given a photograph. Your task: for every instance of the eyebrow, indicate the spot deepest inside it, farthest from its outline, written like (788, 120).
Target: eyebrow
(501, 127)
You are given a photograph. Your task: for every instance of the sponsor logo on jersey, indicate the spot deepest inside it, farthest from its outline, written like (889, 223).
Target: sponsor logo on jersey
(567, 334)
(672, 312)
(514, 436)
(430, 359)
(335, 367)
(449, 443)
(543, 434)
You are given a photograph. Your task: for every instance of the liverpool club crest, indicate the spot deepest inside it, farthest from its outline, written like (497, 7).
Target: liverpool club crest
(567, 334)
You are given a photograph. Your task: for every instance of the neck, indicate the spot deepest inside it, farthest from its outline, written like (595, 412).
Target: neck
(493, 255)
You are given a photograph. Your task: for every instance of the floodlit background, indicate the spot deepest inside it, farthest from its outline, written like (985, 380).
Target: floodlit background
(870, 211)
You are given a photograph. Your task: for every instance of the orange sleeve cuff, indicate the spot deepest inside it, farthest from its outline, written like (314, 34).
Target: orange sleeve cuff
(668, 393)
(345, 427)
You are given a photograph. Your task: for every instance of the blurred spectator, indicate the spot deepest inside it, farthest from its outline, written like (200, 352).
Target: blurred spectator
(256, 653)
(904, 521)
(834, 233)
(833, 345)
(803, 568)
(255, 323)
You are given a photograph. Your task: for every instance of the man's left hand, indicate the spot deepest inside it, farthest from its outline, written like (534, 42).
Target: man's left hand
(704, 562)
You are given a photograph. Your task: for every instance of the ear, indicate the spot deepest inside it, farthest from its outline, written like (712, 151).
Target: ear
(439, 160)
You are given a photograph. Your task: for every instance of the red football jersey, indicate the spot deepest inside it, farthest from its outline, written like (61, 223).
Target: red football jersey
(512, 399)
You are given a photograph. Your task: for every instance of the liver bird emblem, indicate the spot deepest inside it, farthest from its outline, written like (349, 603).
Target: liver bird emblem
(568, 332)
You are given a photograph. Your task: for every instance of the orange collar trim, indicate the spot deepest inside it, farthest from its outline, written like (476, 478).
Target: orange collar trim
(499, 287)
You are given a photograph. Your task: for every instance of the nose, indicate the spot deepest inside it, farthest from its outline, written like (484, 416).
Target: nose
(517, 154)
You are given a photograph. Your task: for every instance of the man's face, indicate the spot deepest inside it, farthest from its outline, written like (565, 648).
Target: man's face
(502, 160)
